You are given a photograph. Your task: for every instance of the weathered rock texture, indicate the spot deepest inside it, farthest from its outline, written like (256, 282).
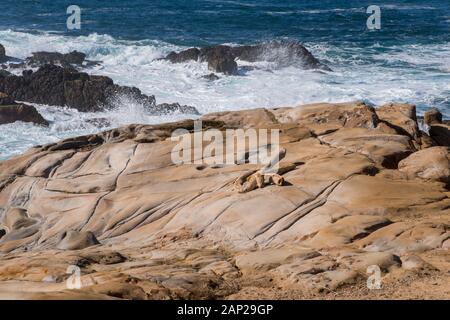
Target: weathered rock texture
(360, 190)
(222, 58)
(65, 86)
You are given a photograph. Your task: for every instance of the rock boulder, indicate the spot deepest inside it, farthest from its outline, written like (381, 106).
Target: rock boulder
(55, 85)
(221, 58)
(10, 112)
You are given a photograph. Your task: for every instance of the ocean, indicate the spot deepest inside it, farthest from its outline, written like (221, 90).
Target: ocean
(407, 60)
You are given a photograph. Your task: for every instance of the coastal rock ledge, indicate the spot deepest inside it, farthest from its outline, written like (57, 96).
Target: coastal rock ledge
(362, 187)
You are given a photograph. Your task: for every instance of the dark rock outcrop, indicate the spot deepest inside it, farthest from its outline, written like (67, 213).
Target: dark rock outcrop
(67, 59)
(10, 112)
(2, 53)
(4, 57)
(282, 52)
(55, 85)
(222, 58)
(183, 56)
(164, 108)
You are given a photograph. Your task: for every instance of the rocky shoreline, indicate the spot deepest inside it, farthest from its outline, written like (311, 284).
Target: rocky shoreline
(57, 79)
(362, 187)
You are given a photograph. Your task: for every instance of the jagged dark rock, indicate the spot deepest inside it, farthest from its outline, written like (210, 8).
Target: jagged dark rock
(42, 58)
(4, 73)
(10, 112)
(2, 53)
(222, 58)
(65, 86)
(183, 56)
(4, 57)
(165, 108)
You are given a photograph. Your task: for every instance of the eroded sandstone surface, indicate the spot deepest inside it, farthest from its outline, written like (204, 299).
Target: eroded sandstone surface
(362, 186)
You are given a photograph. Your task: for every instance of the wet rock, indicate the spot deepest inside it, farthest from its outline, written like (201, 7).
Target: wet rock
(10, 112)
(166, 108)
(440, 133)
(2, 53)
(220, 59)
(432, 163)
(184, 56)
(6, 100)
(99, 122)
(41, 58)
(281, 52)
(4, 73)
(54, 85)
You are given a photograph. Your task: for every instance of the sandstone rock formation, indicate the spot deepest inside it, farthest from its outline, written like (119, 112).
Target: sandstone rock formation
(222, 58)
(55, 85)
(10, 112)
(362, 191)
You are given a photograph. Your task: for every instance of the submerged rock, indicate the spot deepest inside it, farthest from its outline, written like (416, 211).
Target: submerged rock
(184, 56)
(67, 59)
(211, 77)
(220, 59)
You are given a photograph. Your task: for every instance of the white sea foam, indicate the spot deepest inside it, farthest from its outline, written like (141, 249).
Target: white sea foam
(416, 73)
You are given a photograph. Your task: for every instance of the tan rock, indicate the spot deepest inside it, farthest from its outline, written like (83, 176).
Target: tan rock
(432, 116)
(432, 163)
(356, 193)
(400, 117)
(326, 117)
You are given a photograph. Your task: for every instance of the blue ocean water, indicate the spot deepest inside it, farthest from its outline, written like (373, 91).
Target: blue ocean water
(407, 60)
(203, 22)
